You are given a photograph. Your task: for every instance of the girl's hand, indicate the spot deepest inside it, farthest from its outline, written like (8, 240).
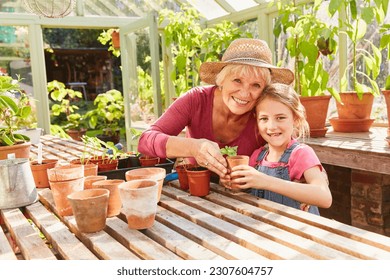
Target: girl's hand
(304, 207)
(207, 154)
(245, 176)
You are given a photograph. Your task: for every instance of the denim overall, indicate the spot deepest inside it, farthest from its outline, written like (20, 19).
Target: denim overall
(282, 173)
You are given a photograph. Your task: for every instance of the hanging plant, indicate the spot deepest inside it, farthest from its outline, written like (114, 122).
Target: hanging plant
(110, 37)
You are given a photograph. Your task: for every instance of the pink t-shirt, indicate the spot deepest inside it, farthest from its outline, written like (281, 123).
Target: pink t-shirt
(302, 158)
(194, 111)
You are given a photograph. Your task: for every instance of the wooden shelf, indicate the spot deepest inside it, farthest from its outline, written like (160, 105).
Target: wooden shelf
(367, 151)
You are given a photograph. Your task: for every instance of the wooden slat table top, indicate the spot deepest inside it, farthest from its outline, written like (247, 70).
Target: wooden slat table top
(6, 251)
(367, 151)
(31, 245)
(58, 234)
(222, 225)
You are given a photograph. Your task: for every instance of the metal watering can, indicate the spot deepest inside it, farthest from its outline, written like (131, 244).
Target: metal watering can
(17, 187)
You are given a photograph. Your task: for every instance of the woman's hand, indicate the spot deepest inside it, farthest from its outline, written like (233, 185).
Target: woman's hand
(207, 154)
(225, 181)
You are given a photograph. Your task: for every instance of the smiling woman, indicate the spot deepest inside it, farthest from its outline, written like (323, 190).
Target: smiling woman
(220, 114)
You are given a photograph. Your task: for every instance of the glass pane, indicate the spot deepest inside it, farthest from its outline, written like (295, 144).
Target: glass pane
(242, 4)
(76, 56)
(142, 110)
(208, 9)
(15, 61)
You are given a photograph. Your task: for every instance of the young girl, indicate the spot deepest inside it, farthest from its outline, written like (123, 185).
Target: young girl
(290, 172)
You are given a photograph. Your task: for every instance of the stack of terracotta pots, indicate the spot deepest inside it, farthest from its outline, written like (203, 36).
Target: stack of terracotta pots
(64, 180)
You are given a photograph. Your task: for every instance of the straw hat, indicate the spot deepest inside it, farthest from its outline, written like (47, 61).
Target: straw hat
(246, 51)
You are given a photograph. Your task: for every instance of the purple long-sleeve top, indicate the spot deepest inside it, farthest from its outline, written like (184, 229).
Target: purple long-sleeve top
(194, 111)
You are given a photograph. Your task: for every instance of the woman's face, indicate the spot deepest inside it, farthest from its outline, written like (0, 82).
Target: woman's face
(240, 92)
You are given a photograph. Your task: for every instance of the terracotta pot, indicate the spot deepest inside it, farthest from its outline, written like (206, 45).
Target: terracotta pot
(353, 107)
(115, 40)
(95, 160)
(60, 191)
(20, 151)
(89, 180)
(65, 173)
(108, 165)
(354, 115)
(182, 175)
(151, 173)
(90, 169)
(90, 209)
(39, 171)
(316, 113)
(76, 134)
(114, 200)
(234, 161)
(149, 161)
(139, 198)
(199, 181)
(351, 125)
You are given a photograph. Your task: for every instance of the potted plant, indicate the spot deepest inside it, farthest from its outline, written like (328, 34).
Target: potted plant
(39, 171)
(360, 75)
(146, 160)
(309, 41)
(104, 154)
(14, 107)
(111, 37)
(73, 123)
(108, 115)
(233, 159)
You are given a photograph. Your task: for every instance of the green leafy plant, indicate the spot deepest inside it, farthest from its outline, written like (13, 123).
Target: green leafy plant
(191, 43)
(309, 40)
(108, 113)
(229, 151)
(14, 108)
(359, 14)
(65, 113)
(95, 148)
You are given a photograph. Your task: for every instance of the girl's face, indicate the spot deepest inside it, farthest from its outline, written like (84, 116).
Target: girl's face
(239, 93)
(276, 122)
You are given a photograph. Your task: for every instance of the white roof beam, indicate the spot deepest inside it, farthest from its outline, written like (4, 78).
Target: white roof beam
(66, 22)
